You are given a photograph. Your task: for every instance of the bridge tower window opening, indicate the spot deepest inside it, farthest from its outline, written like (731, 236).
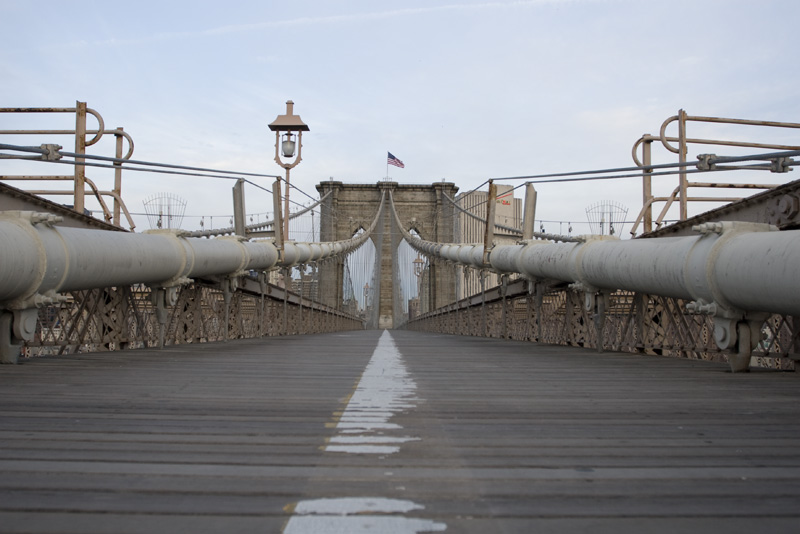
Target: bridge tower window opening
(359, 281)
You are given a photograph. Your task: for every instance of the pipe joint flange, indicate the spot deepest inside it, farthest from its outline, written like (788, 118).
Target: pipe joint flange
(48, 219)
(701, 307)
(49, 298)
(700, 276)
(36, 301)
(32, 217)
(729, 227)
(708, 228)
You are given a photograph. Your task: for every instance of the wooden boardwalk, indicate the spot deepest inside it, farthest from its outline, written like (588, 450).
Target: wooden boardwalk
(407, 432)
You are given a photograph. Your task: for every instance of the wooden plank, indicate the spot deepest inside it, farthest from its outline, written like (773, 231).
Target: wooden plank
(503, 436)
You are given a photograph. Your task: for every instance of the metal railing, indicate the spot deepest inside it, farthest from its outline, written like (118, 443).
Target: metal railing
(680, 194)
(79, 178)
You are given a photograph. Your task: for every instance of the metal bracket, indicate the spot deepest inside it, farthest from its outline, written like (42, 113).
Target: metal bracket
(707, 162)
(52, 153)
(737, 333)
(16, 327)
(162, 298)
(589, 293)
(504, 285)
(32, 217)
(744, 337)
(35, 301)
(597, 302)
(9, 345)
(781, 165)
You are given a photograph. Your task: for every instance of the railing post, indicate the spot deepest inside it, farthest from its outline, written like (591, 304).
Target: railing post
(530, 212)
(647, 185)
(488, 235)
(483, 303)
(238, 208)
(286, 283)
(682, 154)
(80, 148)
(118, 178)
(277, 224)
(539, 306)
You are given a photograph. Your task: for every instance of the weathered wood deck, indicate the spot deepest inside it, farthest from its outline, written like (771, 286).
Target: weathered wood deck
(327, 432)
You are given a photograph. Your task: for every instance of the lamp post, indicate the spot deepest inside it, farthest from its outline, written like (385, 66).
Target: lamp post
(419, 266)
(291, 125)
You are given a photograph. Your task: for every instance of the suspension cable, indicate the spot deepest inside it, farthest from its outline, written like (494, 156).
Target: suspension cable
(128, 165)
(123, 161)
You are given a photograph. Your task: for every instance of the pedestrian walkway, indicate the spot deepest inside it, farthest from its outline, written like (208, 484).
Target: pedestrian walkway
(394, 431)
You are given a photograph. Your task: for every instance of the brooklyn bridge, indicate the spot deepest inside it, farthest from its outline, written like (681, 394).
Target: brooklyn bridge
(431, 362)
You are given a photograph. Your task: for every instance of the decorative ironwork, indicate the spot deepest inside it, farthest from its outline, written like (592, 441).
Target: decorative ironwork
(634, 322)
(110, 319)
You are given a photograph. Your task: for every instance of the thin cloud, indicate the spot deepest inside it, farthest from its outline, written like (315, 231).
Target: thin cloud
(326, 20)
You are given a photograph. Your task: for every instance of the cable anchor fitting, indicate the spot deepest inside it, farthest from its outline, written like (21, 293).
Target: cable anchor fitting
(781, 165)
(51, 152)
(707, 162)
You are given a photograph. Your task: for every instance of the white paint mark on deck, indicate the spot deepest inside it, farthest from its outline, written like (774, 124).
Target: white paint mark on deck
(358, 515)
(385, 389)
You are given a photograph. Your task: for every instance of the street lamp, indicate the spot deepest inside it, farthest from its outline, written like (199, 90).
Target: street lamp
(419, 267)
(291, 125)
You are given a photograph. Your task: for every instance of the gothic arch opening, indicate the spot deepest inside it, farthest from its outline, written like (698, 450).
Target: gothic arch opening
(359, 283)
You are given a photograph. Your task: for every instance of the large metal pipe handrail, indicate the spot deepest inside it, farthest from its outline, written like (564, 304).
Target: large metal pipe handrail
(731, 268)
(41, 260)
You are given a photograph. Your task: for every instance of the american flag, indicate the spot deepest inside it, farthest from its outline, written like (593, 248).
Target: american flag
(394, 161)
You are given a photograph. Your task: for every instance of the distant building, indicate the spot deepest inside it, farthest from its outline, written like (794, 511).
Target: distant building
(413, 308)
(307, 285)
(508, 212)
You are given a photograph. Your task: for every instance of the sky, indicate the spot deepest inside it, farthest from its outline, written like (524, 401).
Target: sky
(461, 91)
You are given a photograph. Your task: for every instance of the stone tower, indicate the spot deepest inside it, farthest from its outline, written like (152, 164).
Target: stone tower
(420, 207)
